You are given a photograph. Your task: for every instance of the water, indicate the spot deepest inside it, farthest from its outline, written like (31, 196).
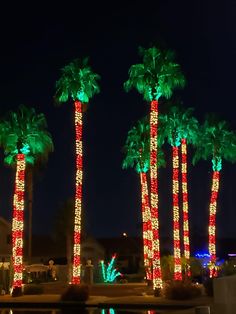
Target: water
(81, 311)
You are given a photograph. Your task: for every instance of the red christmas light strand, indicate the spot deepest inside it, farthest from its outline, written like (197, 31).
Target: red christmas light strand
(18, 222)
(212, 223)
(176, 230)
(78, 193)
(157, 275)
(185, 201)
(147, 231)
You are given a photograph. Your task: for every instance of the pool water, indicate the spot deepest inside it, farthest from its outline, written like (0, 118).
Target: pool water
(81, 311)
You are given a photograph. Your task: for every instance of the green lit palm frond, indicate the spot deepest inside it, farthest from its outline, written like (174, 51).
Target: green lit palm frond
(189, 125)
(215, 141)
(137, 148)
(157, 76)
(25, 131)
(77, 81)
(179, 124)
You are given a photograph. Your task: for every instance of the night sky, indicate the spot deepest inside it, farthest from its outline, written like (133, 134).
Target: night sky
(36, 42)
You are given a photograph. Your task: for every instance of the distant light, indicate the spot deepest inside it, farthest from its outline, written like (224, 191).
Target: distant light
(232, 254)
(202, 255)
(124, 234)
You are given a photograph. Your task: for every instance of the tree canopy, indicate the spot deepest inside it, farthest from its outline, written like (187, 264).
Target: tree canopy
(179, 123)
(137, 147)
(157, 76)
(77, 81)
(25, 131)
(215, 141)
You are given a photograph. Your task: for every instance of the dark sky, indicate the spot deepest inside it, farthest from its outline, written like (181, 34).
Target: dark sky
(37, 41)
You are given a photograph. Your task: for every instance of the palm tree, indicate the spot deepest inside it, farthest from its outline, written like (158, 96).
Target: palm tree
(24, 140)
(137, 156)
(79, 82)
(172, 131)
(188, 134)
(156, 77)
(217, 142)
(180, 126)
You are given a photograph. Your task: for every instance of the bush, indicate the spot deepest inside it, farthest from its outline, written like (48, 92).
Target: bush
(17, 292)
(157, 292)
(181, 290)
(228, 268)
(76, 293)
(33, 289)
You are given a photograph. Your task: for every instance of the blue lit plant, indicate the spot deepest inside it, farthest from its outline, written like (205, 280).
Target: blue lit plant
(109, 272)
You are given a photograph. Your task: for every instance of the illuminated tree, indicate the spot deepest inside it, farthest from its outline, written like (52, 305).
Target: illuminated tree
(180, 126)
(80, 83)
(172, 131)
(24, 140)
(188, 127)
(217, 142)
(137, 156)
(156, 77)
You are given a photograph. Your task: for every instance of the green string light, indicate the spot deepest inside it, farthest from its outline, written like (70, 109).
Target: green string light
(109, 273)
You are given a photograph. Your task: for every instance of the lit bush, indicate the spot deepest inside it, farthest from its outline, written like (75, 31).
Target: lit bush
(167, 266)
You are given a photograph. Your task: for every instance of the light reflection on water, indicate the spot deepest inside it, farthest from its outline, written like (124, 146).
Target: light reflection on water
(78, 311)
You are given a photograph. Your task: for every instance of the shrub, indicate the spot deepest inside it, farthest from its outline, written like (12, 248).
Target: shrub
(33, 289)
(17, 292)
(157, 292)
(76, 293)
(228, 268)
(181, 290)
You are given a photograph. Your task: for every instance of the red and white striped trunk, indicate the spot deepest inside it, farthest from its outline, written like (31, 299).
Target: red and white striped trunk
(157, 275)
(147, 226)
(176, 229)
(185, 201)
(18, 222)
(76, 272)
(212, 222)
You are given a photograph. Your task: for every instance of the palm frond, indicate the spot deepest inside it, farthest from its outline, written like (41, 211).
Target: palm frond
(157, 76)
(25, 129)
(137, 148)
(215, 141)
(77, 81)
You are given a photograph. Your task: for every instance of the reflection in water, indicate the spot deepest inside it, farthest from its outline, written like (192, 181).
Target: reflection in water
(77, 311)
(31, 311)
(108, 311)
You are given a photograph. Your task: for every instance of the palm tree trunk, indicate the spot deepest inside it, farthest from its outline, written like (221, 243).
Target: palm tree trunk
(157, 276)
(176, 231)
(18, 223)
(76, 273)
(147, 231)
(212, 222)
(185, 202)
